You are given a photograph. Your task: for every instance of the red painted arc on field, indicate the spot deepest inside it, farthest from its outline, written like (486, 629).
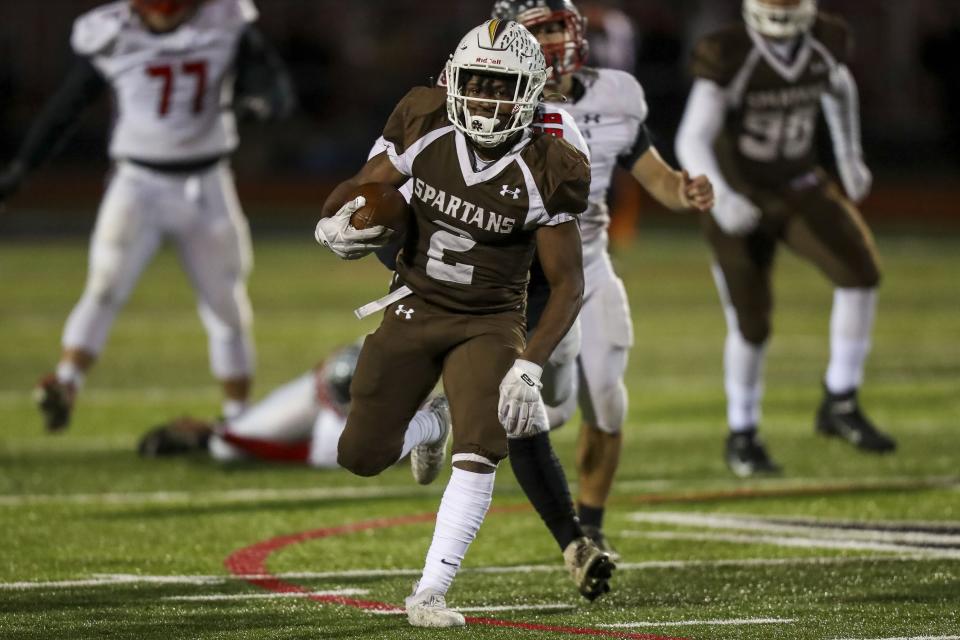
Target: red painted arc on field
(250, 563)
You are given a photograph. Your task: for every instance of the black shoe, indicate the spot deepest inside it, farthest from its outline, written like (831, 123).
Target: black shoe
(596, 534)
(55, 401)
(839, 415)
(746, 456)
(179, 437)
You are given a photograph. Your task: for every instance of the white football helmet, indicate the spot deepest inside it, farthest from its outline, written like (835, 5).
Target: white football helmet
(498, 48)
(779, 21)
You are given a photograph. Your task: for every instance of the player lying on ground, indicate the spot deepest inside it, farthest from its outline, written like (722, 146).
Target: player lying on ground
(609, 108)
(750, 124)
(178, 70)
(299, 422)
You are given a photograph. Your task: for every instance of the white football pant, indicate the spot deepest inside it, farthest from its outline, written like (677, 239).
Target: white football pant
(595, 376)
(201, 215)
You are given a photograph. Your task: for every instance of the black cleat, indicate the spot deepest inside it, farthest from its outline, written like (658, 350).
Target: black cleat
(840, 416)
(179, 437)
(55, 401)
(746, 456)
(599, 539)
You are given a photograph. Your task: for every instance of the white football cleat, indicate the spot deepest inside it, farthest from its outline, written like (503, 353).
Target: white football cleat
(429, 609)
(426, 460)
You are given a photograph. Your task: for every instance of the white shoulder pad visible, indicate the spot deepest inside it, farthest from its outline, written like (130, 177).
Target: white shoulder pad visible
(626, 92)
(95, 30)
(228, 14)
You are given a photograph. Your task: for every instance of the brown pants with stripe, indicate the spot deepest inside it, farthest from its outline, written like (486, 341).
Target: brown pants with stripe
(817, 223)
(399, 366)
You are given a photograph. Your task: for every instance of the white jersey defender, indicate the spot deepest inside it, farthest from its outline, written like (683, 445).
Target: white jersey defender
(173, 133)
(610, 114)
(173, 91)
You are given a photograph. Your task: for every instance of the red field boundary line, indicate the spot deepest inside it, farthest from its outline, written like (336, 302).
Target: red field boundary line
(250, 563)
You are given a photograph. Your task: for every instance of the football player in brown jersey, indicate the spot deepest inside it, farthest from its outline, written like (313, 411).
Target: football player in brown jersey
(610, 110)
(485, 188)
(750, 125)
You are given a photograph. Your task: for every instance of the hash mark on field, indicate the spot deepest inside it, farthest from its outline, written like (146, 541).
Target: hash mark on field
(690, 623)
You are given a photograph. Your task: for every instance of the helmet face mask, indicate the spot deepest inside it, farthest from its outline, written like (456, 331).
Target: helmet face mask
(494, 82)
(162, 16)
(780, 18)
(337, 373)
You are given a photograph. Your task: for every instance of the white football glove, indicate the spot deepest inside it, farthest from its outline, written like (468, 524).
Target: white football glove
(735, 214)
(521, 409)
(337, 234)
(855, 176)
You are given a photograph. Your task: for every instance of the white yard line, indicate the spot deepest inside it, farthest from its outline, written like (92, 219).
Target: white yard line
(795, 542)
(809, 527)
(101, 580)
(230, 495)
(550, 606)
(690, 623)
(366, 491)
(266, 596)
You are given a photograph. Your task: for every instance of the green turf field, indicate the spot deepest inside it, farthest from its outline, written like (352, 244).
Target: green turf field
(100, 544)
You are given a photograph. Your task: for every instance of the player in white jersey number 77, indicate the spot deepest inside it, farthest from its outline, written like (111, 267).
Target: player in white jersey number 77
(610, 110)
(180, 71)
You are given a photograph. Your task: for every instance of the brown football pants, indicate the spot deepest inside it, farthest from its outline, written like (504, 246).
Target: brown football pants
(818, 223)
(400, 364)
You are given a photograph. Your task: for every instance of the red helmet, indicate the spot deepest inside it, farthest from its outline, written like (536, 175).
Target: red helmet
(163, 7)
(565, 57)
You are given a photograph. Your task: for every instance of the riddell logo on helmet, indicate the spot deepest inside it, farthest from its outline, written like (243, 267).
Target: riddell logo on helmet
(489, 60)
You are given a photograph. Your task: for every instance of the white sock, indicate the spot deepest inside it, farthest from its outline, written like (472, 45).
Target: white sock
(851, 324)
(232, 408)
(69, 373)
(423, 428)
(464, 505)
(743, 381)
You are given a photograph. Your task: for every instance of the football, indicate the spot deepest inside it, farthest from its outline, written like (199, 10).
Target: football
(385, 206)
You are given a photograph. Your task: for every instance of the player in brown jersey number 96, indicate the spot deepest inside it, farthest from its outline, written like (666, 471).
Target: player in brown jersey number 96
(485, 188)
(750, 125)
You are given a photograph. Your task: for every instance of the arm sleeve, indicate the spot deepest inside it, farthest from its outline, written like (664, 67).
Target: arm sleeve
(702, 123)
(56, 121)
(841, 108)
(640, 146)
(262, 74)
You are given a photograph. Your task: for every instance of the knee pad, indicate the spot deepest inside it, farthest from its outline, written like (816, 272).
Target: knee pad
(605, 409)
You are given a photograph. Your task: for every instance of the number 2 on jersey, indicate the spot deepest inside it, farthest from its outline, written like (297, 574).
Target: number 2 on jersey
(166, 74)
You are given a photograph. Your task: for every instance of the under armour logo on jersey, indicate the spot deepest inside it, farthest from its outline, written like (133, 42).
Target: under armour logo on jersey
(507, 191)
(407, 313)
(591, 117)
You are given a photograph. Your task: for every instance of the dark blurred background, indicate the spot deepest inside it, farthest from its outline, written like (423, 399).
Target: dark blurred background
(352, 61)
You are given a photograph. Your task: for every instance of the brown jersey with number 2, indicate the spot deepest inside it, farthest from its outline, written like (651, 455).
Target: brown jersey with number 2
(471, 246)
